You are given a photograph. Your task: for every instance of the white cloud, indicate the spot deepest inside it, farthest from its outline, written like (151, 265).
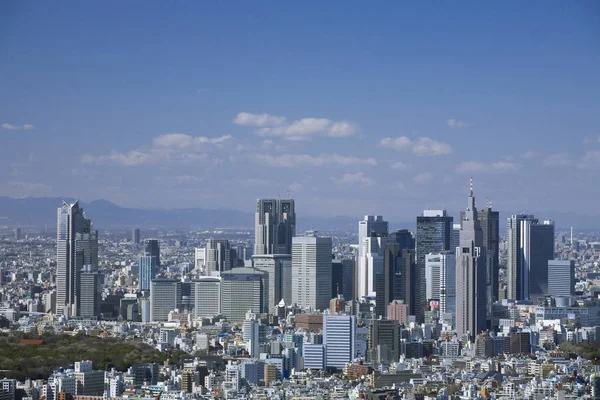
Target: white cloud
(301, 129)
(471, 167)
(12, 127)
(180, 140)
(259, 120)
(358, 177)
(591, 140)
(456, 124)
(423, 146)
(505, 166)
(428, 147)
(177, 147)
(590, 160)
(399, 165)
(423, 178)
(556, 160)
(296, 160)
(188, 179)
(529, 155)
(399, 143)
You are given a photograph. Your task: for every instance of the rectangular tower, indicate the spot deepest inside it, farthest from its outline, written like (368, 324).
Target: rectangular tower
(471, 270)
(275, 226)
(76, 246)
(561, 278)
(434, 231)
(311, 271)
(339, 338)
(370, 225)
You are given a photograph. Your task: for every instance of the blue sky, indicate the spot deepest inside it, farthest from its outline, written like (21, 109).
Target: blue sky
(356, 107)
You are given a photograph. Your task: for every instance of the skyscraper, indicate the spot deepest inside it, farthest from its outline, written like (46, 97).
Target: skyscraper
(372, 224)
(277, 272)
(530, 247)
(220, 256)
(561, 278)
(471, 270)
(241, 291)
(447, 262)
(207, 297)
(165, 294)
(372, 261)
(339, 338)
(76, 246)
(396, 280)
(135, 235)
(540, 251)
(434, 229)
(311, 271)
(275, 226)
(153, 249)
(88, 301)
(147, 271)
(490, 225)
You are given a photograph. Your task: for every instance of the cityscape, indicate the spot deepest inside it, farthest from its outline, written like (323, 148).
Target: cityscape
(474, 308)
(206, 200)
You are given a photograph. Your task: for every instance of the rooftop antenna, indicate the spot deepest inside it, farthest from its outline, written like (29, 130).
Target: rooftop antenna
(288, 194)
(471, 186)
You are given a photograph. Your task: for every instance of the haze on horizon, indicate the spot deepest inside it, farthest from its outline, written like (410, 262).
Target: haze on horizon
(356, 110)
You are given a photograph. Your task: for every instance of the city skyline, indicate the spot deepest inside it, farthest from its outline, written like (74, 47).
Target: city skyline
(385, 117)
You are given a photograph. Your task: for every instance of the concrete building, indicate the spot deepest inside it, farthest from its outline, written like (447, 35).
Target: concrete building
(370, 225)
(135, 235)
(561, 278)
(76, 246)
(241, 290)
(277, 269)
(165, 295)
(275, 226)
(88, 299)
(471, 270)
(148, 269)
(339, 338)
(434, 229)
(220, 257)
(207, 297)
(311, 271)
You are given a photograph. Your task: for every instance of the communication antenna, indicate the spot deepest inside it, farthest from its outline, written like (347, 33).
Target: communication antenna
(288, 194)
(471, 186)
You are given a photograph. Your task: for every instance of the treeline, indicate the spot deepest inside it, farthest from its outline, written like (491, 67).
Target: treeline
(21, 361)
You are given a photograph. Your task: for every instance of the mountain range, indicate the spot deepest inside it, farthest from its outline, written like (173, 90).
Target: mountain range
(41, 211)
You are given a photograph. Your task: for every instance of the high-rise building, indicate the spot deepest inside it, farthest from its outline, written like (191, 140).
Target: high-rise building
(490, 225)
(398, 311)
(207, 297)
(275, 226)
(277, 270)
(384, 341)
(369, 226)
(447, 261)
(147, 271)
(561, 278)
(530, 247)
(396, 279)
(241, 291)
(433, 272)
(135, 235)
(349, 272)
(404, 238)
(18, 235)
(88, 300)
(199, 259)
(250, 335)
(339, 338)
(311, 271)
(471, 270)
(455, 237)
(373, 258)
(76, 246)
(540, 251)
(165, 295)
(152, 249)
(337, 278)
(220, 256)
(434, 229)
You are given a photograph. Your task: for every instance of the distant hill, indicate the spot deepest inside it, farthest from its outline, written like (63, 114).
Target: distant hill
(41, 211)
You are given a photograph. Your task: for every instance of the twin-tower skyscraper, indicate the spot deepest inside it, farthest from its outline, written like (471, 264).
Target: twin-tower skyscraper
(274, 226)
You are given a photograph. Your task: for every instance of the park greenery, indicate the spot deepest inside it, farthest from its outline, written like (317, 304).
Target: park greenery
(22, 361)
